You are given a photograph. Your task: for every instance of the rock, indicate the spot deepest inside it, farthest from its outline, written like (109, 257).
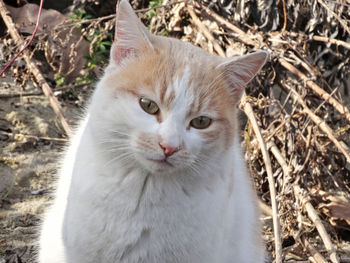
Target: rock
(64, 48)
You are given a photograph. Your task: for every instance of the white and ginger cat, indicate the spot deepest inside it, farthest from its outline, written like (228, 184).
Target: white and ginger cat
(155, 172)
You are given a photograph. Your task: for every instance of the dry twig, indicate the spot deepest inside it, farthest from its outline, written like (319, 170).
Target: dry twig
(311, 212)
(44, 138)
(20, 94)
(335, 15)
(279, 158)
(38, 93)
(284, 16)
(342, 147)
(241, 35)
(332, 41)
(318, 223)
(315, 254)
(34, 69)
(276, 223)
(339, 107)
(205, 31)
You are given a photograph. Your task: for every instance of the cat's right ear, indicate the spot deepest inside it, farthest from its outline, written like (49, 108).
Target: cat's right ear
(131, 37)
(242, 69)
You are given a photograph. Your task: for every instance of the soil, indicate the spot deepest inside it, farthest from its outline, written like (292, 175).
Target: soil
(31, 142)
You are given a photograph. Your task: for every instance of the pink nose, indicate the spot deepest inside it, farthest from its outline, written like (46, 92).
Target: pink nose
(168, 150)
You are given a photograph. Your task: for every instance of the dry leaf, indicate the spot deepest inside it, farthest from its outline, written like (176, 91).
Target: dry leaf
(334, 207)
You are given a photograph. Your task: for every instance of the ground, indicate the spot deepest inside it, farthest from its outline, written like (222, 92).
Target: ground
(27, 168)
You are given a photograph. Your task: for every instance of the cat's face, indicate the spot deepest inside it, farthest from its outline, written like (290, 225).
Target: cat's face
(164, 105)
(168, 112)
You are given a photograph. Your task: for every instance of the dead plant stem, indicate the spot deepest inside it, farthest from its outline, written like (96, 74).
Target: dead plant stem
(335, 15)
(284, 17)
(342, 147)
(310, 210)
(339, 107)
(332, 41)
(275, 216)
(318, 223)
(205, 31)
(241, 35)
(44, 138)
(39, 93)
(315, 254)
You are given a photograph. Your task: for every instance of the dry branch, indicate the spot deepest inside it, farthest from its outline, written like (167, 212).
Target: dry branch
(34, 69)
(315, 254)
(276, 223)
(340, 108)
(311, 213)
(342, 147)
(20, 94)
(332, 41)
(241, 35)
(15, 136)
(39, 93)
(335, 15)
(284, 17)
(320, 39)
(280, 159)
(205, 31)
(318, 223)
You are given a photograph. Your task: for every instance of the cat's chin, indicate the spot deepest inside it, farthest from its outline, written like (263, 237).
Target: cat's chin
(160, 166)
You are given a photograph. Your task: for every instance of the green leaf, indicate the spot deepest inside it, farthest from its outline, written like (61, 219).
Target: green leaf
(151, 14)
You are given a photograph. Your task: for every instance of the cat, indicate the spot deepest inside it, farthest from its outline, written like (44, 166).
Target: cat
(155, 172)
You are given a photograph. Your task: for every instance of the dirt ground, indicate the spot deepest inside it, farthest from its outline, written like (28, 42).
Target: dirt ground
(31, 141)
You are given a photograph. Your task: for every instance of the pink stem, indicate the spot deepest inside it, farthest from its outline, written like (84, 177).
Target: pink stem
(30, 40)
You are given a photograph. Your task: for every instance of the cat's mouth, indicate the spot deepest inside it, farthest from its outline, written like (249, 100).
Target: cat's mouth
(157, 165)
(161, 161)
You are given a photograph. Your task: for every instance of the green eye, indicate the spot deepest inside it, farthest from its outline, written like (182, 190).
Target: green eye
(149, 106)
(200, 122)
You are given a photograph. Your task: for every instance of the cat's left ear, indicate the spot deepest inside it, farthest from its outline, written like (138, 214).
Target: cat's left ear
(131, 36)
(238, 71)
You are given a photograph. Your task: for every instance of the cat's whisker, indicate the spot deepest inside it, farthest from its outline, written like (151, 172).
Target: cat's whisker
(114, 145)
(120, 132)
(202, 158)
(109, 148)
(204, 162)
(123, 138)
(119, 158)
(117, 150)
(195, 168)
(113, 140)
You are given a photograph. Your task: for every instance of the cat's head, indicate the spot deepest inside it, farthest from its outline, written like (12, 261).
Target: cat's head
(164, 105)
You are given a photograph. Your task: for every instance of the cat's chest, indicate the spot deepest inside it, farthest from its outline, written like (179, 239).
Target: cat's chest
(146, 220)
